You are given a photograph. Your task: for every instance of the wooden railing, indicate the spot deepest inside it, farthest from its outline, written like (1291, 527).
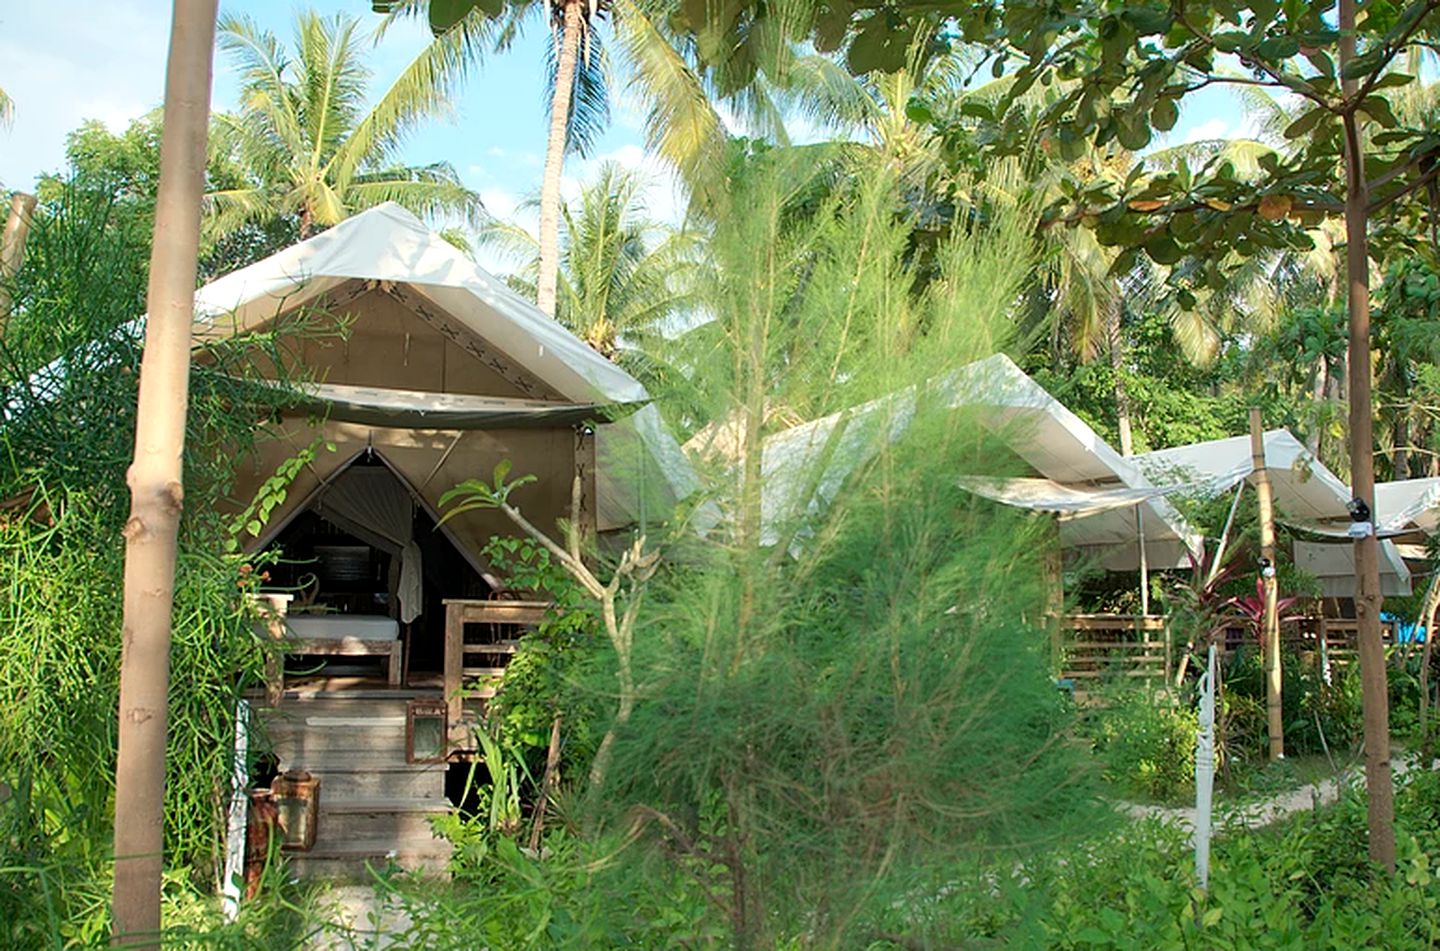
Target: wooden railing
(1089, 648)
(496, 627)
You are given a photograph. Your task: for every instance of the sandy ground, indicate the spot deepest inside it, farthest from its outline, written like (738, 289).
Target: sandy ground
(359, 920)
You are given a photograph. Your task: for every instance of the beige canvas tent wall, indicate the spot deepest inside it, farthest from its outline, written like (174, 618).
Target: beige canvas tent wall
(443, 372)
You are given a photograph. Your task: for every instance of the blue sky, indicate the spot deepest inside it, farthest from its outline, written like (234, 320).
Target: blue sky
(106, 61)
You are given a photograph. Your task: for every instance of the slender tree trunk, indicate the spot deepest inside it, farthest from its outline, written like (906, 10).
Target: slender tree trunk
(1378, 781)
(1270, 621)
(12, 247)
(1317, 394)
(155, 480)
(1117, 363)
(555, 157)
(1400, 461)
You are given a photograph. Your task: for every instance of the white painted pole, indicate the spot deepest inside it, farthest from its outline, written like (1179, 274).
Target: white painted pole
(1144, 561)
(1205, 772)
(239, 809)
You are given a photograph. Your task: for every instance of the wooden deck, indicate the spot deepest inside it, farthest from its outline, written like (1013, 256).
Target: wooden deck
(375, 807)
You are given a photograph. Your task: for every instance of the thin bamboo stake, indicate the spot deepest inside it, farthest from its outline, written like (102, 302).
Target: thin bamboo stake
(155, 480)
(1270, 629)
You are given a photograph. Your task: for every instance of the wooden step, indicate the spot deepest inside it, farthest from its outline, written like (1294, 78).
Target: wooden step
(401, 820)
(341, 783)
(354, 860)
(369, 703)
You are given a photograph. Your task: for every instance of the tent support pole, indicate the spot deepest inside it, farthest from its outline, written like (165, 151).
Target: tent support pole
(1268, 585)
(1225, 536)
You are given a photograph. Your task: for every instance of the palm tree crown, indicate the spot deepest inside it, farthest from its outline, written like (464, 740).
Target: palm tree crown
(304, 141)
(622, 277)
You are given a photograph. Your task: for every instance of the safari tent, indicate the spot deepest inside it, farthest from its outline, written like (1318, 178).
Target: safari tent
(395, 623)
(1108, 510)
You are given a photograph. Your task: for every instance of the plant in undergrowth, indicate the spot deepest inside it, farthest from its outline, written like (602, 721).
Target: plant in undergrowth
(1302, 883)
(544, 678)
(1146, 742)
(1320, 715)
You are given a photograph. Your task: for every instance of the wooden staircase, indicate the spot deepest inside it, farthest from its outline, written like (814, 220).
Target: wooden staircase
(374, 806)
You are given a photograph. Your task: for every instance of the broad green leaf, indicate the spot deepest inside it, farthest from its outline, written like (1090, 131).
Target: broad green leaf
(1378, 108)
(1165, 114)
(1306, 123)
(1163, 249)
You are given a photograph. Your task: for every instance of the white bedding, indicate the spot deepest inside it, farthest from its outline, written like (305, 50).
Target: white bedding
(364, 627)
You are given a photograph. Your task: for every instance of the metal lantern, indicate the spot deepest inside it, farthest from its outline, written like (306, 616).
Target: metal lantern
(297, 798)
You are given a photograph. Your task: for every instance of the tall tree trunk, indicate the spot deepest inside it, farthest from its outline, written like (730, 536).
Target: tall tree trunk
(1317, 394)
(1116, 342)
(1380, 797)
(555, 157)
(155, 479)
(12, 247)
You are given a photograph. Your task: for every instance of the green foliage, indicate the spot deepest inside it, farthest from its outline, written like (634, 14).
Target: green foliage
(68, 377)
(1318, 717)
(544, 678)
(308, 146)
(1146, 742)
(1301, 884)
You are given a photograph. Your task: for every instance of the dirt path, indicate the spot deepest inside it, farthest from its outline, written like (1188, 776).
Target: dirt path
(1260, 813)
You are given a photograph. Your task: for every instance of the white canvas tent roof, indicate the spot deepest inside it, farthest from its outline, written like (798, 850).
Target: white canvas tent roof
(1307, 494)
(387, 247)
(1333, 563)
(1408, 503)
(1071, 457)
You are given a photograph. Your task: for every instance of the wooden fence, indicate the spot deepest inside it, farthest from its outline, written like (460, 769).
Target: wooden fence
(1089, 648)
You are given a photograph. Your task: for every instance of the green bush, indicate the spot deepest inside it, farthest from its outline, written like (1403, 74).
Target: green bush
(1304, 883)
(1146, 743)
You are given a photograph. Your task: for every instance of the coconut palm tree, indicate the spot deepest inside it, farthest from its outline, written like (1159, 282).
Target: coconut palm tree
(307, 143)
(622, 278)
(592, 42)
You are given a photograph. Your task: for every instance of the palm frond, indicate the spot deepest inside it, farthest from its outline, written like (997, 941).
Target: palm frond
(265, 91)
(430, 191)
(589, 110)
(682, 126)
(7, 110)
(423, 91)
(332, 81)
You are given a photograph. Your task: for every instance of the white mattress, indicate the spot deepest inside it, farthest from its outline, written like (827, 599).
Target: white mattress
(363, 627)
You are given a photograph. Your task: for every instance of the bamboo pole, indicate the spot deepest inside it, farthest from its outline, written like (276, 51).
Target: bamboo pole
(12, 247)
(155, 480)
(1270, 628)
(1375, 699)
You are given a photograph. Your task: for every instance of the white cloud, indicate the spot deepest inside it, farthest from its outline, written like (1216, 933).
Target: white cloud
(1216, 128)
(106, 62)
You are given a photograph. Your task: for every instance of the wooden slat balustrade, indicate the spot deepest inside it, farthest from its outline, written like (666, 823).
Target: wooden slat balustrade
(507, 618)
(1092, 647)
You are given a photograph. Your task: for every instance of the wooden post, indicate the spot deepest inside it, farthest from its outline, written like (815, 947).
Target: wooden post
(1271, 623)
(12, 246)
(454, 661)
(1054, 600)
(1375, 697)
(274, 606)
(156, 490)
(589, 515)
